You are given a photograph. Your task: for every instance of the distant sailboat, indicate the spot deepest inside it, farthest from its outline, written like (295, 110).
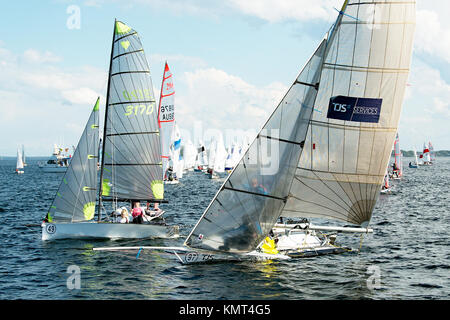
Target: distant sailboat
(166, 116)
(416, 161)
(397, 171)
(426, 159)
(330, 142)
(19, 163)
(432, 154)
(131, 166)
(23, 156)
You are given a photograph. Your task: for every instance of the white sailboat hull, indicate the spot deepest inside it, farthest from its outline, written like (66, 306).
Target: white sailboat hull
(105, 230)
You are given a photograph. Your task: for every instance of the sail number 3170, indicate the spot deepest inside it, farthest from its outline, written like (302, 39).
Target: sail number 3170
(141, 109)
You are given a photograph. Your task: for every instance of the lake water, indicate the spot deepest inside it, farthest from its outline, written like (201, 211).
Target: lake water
(408, 252)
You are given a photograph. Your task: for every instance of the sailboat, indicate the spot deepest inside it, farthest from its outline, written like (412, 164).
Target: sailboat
(131, 163)
(426, 159)
(416, 163)
(19, 163)
(217, 158)
(175, 158)
(432, 154)
(166, 116)
(386, 187)
(330, 141)
(23, 156)
(397, 166)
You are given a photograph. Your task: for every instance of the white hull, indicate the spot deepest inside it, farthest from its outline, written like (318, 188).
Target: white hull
(172, 182)
(291, 244)
(54, 169)
(105, 230)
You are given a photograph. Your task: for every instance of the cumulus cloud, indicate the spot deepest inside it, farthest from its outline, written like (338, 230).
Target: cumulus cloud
(46, 101)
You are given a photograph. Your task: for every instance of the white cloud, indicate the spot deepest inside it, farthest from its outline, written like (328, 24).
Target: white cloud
(34, 56)
(223, 101)
(47, 102)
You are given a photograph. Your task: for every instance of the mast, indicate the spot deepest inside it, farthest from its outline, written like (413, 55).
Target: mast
(104, 128)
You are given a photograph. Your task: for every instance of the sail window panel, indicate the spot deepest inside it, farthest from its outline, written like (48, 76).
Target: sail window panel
(365, 151)
(127, 149)
(351, 146)
(305, 158)
(292, 110)
(131, 119)
(130, 88)
(254, 176)
(336, 149)
(378, 45)
(319, 141)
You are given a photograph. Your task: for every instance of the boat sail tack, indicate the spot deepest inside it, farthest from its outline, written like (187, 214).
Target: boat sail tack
(330, 137)
(131, 166)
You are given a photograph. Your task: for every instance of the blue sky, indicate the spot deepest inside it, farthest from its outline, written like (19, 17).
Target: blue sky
(232, 62)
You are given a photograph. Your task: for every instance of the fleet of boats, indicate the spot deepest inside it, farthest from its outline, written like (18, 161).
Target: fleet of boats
(324, 153)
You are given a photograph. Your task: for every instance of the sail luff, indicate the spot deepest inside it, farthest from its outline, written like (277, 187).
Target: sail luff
(100, 189)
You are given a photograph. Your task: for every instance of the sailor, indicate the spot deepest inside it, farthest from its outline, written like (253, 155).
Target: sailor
(137, 213)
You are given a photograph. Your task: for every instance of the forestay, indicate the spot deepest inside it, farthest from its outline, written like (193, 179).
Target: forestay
(76, 196)
(360, 97)
(131, 162)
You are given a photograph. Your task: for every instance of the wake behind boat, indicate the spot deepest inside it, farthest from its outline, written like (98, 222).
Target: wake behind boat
(131, 170)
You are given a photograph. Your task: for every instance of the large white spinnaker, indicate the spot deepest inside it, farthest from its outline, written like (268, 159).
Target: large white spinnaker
(166, 115)
(346, 152)
(330, 163)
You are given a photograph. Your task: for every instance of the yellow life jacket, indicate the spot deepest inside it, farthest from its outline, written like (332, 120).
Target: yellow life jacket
(269, 246)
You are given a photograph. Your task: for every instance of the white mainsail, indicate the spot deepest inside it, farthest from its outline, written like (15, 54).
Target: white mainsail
(331, 162)
(166, 115)
(19, 162)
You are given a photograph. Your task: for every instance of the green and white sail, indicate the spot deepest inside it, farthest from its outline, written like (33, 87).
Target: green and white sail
(131, 157)
(76, 196)
(308, 161)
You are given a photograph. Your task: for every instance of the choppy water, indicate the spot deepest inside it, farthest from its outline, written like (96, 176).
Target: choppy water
(410, 249)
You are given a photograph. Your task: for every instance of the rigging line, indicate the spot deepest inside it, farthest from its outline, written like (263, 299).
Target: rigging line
(302, 182)
(129, 102)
